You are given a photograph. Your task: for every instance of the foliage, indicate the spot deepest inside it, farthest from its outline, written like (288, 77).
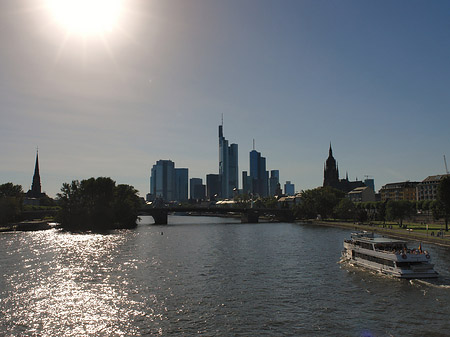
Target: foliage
(11, 190)
(269, 202)
(97, 203)
(345, 210)
(399, 210)
(242, 200)
(320, 201)
(11, 198)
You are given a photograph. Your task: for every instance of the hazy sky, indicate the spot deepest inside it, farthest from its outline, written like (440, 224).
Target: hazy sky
(372, 77)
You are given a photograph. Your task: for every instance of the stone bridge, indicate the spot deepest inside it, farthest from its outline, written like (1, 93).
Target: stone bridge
(248, 215)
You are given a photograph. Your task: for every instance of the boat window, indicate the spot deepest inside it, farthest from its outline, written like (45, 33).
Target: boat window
(375, 259)
(366, 245)
(407, 265)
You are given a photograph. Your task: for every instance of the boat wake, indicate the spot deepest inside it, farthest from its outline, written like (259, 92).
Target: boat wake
(440, 282)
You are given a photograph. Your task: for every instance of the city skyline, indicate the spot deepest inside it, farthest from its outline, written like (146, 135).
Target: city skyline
(370, 77)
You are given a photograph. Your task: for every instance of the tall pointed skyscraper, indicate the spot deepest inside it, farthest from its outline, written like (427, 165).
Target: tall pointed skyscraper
(228, 166)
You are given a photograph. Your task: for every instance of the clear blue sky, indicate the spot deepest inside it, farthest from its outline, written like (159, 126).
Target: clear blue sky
(372, 77)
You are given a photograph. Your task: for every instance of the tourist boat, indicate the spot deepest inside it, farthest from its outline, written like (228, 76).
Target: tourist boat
(388, 256)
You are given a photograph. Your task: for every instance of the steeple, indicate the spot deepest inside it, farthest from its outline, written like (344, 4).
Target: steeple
(331, 170)
(36, 185)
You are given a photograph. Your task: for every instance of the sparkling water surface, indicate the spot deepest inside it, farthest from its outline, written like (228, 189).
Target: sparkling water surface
(212, 277)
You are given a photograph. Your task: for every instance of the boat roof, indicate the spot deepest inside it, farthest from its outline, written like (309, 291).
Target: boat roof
(379, 240)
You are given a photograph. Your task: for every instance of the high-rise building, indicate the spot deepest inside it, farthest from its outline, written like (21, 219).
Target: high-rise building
(274, 182)
(258, 174)
(289, 188)
(195, 189)
(228, 166)
(246, 183)
(163, 180)
(369, 182)
(181, 184)
(212, 186)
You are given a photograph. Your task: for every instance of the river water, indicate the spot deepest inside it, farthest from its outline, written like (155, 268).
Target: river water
(212, 277)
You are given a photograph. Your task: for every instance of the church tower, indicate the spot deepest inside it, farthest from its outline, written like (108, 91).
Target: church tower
(35, 191)
(331, 171)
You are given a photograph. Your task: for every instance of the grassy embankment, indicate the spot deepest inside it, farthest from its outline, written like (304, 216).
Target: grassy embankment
(412, 232)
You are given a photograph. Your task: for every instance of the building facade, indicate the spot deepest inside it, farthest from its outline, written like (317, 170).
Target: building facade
(362, 194)
(181, 184)
(289, 188)
(428, 188)
(405, 190)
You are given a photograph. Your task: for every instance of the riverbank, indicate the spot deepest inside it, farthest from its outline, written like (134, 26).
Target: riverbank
(33, 225)
(392, 232)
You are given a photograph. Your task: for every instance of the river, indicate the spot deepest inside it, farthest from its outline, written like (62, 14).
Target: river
(209, 276)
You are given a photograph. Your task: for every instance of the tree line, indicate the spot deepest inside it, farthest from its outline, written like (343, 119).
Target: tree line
(330, 203)
(95, 203)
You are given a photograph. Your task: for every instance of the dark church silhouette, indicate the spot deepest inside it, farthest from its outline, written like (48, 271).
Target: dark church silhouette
(331, 176)
(35, 191)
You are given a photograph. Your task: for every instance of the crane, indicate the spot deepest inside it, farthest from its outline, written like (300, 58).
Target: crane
(445, 162)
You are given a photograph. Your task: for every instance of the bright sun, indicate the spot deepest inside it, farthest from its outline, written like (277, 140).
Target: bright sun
(86, 17)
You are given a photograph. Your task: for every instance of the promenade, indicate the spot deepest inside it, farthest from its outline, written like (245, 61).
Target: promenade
(400, 233)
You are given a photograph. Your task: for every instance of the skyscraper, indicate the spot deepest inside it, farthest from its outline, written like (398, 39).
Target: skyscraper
(212, 186)
(197, 189)
(289, 188)
(274, 182)
(228, 166)
(259, 175)
(181, 183)
(163, 180)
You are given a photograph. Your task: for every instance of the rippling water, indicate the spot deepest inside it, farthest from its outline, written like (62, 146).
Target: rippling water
(209, 276)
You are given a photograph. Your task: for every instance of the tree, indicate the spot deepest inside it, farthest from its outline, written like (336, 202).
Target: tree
(345, 209)
(242, 200)
(399, 210)
(444, 199)
(11, 200)
(98, 204)
(319, 201)
(381, 211)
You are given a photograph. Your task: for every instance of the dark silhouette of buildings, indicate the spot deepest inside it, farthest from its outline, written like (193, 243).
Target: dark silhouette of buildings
(331, 176)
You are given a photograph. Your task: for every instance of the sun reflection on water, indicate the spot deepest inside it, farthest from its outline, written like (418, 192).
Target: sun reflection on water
(76, 290)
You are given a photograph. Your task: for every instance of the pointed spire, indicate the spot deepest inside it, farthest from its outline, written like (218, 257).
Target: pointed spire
(36, 166)
(330, 151)
(36, 184)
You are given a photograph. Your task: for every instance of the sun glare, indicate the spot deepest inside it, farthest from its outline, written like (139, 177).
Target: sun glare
(86, 17)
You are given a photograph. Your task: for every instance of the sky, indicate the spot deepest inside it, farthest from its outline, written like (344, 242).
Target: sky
(371, 77)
